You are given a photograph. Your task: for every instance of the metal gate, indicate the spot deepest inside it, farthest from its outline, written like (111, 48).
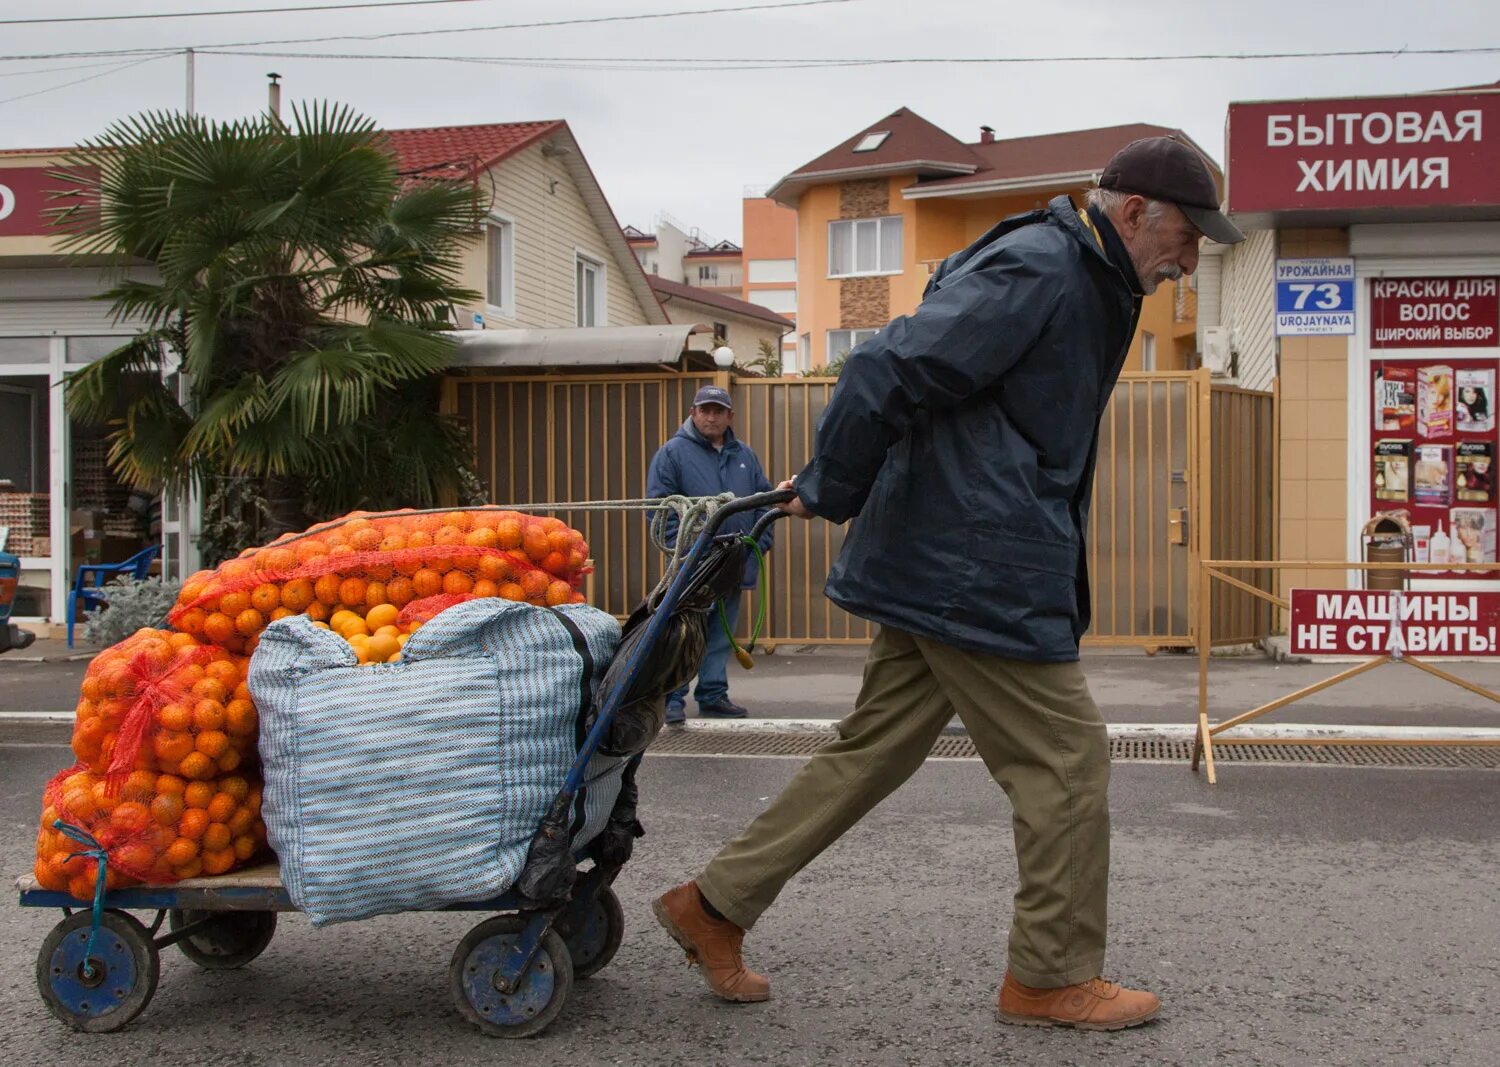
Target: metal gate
(591, 438)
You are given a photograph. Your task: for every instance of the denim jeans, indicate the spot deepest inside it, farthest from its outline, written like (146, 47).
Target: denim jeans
(713, 676)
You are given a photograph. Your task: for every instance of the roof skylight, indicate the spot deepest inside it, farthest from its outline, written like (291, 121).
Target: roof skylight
(871, 141)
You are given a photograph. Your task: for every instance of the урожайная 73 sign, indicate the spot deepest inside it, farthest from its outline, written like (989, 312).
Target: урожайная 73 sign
(1355, 622)
(1314, 297)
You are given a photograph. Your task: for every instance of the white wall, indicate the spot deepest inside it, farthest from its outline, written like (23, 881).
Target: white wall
(1236, 289)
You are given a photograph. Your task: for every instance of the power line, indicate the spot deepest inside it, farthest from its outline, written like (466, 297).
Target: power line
(59, 70)
(234, 11)
(591, 21)
(88, 77)
(682, 63)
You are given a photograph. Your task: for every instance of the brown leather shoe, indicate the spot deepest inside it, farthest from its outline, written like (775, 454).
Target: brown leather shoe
(713, 944)
(1092, 1005)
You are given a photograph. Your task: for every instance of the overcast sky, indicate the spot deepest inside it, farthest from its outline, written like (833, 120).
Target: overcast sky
(689, 142)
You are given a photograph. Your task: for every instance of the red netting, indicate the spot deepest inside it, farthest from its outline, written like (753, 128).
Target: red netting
(155, 828)
(162, 702)
(365, 561)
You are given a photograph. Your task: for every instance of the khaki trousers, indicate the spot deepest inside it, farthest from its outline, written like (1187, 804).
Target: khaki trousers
(1042, 738)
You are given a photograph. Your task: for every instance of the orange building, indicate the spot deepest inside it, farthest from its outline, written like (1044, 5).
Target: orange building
(877, 214)
(771, 266)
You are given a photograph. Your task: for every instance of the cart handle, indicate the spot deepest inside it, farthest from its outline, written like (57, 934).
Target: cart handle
(746, 503)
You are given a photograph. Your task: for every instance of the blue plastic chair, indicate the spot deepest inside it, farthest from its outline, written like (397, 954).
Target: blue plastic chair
(88, 587)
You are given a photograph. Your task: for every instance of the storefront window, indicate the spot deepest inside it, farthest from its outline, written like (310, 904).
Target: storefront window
(88, 349)
(24, 350)
(24, 498)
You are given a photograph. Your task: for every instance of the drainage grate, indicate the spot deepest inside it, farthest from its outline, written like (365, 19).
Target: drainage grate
(711, 742)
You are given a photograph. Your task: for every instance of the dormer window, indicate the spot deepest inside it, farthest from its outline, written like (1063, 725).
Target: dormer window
(871, 141)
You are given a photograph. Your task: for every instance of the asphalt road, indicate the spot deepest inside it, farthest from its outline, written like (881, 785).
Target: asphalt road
(1289, 916)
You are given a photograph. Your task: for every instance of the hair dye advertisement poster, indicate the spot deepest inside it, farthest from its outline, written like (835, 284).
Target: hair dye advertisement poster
(1435, 401)
(1393, 470)
(1474, 404)
(1473, 537)
(1432, 474)
(1474, 472)
(1396, 399)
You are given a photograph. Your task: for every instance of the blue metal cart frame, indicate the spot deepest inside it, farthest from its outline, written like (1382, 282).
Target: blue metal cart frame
(510, 975)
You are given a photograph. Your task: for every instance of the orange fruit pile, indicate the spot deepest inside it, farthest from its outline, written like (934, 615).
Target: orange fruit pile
(155, 828)
(167, 778)
(366, 561)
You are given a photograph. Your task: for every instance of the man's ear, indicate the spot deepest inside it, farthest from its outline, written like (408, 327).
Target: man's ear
(1133, 215)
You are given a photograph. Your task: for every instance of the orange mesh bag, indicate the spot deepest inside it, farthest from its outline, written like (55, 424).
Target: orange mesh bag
(359, 575)
(161, 702)
(156, 828)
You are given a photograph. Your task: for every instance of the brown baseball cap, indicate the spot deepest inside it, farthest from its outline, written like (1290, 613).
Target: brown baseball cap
(1163, 168)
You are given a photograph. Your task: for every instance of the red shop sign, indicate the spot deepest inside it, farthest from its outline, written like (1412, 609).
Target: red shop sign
(25, 196)
(1345, 622)
(1435, 312)
(1433, 150)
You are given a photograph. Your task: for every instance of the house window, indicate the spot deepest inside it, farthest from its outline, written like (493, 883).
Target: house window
(1148, 350)
(804, 352)
(589, 291)
(842, 342)
(864, 246)
(871, 141)
(500, 258)
(708, 274)
(721, 332)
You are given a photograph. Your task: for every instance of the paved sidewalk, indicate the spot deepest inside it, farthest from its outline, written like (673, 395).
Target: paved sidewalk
(1130, 687)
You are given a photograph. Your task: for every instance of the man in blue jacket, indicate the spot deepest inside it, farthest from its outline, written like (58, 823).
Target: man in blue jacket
(964, 437)
(704, 458)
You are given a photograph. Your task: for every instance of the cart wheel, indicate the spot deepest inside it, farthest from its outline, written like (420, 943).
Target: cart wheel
(594, 939)
(535, 1003)
(110, 988)
(230, 939)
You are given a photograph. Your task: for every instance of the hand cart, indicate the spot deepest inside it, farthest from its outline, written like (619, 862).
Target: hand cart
(509, 976)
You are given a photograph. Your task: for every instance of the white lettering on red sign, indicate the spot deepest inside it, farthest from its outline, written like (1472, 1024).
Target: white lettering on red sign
(7, 202)
(1331, 176)
(1375, 127)
(1333, 622)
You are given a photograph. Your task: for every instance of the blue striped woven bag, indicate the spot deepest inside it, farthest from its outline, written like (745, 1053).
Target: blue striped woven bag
(406, 786)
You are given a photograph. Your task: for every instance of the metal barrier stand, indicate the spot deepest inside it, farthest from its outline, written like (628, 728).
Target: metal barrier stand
(1213, 570)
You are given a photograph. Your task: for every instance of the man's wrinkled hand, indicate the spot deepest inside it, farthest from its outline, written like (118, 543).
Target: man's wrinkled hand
(793, 506)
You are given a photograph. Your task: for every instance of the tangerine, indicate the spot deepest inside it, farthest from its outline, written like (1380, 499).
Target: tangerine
(482, 538)
(198, 794)
(210, 688)
(449, 534)
(560, 540)
(140, 785)
(232, 604)
(317, 611)
(240, 718)
(352, 592)
(216, 837)
(365, 540)
(225, 671)
(191, 621)
(245, 846)
(213, 743)
(297, 594)
(535, 583)
(486, 588)
(249, 622)
(169, 785)
(494, 567)
(534, 541)
(218, 628)
(242, 820)
(266, 598)
(309, 549)
(230, 761)
(78, 804)
(457, 583)
(326, 589)
(183, 643)
(171, 746)
(236, 787)
(167, 809)
(512, 591)
(559, 592)
(508, 533)
(382, 647)
(281, 613)
(375, 591)
(193, 824)
(555, 563)
(427, 582)
(208, 715)
(130, 817)
(197, 766)
(181, 851)
(392, 542)
(279, 560)
(191, 869)
(218, 862)
(399, 592)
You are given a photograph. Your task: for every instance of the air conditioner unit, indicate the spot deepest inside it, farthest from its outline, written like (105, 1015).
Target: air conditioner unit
(1218, 350)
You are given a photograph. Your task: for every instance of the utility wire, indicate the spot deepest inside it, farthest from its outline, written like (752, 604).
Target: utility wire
(234, 11)
(88, 77)
(682, 63)
(58, 70)
(591, 21)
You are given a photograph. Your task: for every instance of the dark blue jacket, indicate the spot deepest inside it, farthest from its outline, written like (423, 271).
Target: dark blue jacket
(964, 437)
(688, 465)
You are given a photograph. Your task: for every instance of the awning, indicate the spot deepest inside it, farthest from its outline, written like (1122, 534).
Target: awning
(592, 346)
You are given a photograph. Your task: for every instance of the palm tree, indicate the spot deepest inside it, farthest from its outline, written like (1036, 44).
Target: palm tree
(302, 289)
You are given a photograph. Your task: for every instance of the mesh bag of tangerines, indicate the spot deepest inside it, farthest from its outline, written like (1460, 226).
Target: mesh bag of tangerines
(167, 782)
